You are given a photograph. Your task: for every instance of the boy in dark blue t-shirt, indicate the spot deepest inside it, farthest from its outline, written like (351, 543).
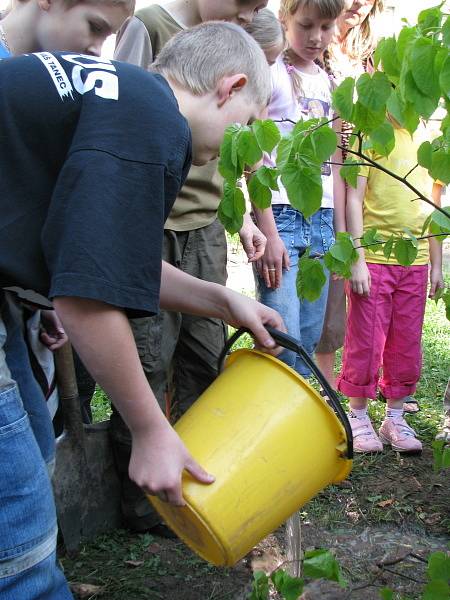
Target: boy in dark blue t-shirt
(92, 156)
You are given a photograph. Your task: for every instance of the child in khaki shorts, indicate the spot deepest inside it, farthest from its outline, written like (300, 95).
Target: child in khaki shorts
(180, 352)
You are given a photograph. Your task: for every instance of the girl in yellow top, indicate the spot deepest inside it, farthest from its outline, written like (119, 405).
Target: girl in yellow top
(386, 301)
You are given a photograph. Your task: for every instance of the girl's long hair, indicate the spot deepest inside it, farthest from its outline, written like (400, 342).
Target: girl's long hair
(327, 9)
(360, 42)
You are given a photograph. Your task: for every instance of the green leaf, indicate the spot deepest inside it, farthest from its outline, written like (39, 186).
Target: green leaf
(373, 91)
(268, 177)
(425, 225)
(446, 453)
(438, 566)
(349, 172)
(429, 19)
(395, 106)
(422, 103)
(386, 53)
(371, 240)
(405, 252)
(383, 139)
(229, 166)
(386, 594)
(260, 587)
(405, 38)
(302, 127)
(267, 134)
(343, 98)
(343, 248)
(387, 248)
(325, 141)
(310, 279)
(439, 61)
(423, 55)
(341, 255)
(260, 194)
(290, 588)
(231, 208)
(284, 151)
(303, 187)
(438, 450)
(436, 590)
(425, 155)
(366, 119)
(248, 149)
(444, 77)
(439, 223)
(321, 564)
(446, 32)
(411, 118)
(446, 299)
(440, 166)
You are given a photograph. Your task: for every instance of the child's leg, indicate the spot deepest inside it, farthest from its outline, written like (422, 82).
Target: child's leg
(325, 362)
(367, 326)
(316, 233)
(402, 357)
(333, 332)
(284, 299)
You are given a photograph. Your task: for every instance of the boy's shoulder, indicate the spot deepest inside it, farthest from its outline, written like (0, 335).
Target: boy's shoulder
(158, 21)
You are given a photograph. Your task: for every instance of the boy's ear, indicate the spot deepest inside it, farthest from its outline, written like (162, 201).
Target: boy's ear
(229, 85)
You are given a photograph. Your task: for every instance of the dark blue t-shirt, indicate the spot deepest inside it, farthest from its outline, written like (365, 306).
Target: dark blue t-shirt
(92, 156)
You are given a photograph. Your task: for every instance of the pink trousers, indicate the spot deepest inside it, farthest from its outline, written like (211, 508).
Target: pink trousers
(383, 338)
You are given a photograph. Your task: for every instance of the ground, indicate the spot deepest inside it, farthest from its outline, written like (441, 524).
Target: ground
(381, 523)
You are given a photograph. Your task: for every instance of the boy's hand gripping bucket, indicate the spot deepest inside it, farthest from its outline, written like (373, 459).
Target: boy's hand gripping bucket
(271, 441)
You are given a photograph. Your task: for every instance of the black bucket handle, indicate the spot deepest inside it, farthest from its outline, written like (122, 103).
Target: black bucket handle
(290, 343)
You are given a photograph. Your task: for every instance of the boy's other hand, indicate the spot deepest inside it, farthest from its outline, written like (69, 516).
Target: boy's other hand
(241, 311)
(52, 332)
(253, 240)
(158, 459)
(276, 258)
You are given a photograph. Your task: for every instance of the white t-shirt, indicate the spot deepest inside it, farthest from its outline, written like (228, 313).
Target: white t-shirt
(315, 102)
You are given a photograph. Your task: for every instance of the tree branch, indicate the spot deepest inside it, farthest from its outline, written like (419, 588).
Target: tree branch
(394, 176)
(422, 237)
(411, 170)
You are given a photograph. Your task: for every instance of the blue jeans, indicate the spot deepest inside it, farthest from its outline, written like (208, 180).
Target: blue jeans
(18, 362)
(303, 319)
(28, 567)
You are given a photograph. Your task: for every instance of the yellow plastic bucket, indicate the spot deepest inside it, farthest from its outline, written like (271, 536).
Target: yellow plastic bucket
(271, 441)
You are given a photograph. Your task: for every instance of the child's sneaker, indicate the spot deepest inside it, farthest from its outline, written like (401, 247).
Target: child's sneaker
(364, 437)
(399, 435)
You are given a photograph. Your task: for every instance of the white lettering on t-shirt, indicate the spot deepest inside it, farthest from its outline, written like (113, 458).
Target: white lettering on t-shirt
(57, 73)
(102, 80)
(104, 83)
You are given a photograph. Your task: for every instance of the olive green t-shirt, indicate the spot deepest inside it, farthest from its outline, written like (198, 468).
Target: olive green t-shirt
(139, 42)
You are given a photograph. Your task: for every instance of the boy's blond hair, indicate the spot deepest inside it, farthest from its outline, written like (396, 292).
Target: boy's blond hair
(326, 9)
(198, 58)
(266, 29)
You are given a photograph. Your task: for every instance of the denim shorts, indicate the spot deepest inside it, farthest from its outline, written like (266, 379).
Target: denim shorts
(28, 529)
(303, 319)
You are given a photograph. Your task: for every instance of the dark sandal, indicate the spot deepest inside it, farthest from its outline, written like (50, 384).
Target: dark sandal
(410, 405)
